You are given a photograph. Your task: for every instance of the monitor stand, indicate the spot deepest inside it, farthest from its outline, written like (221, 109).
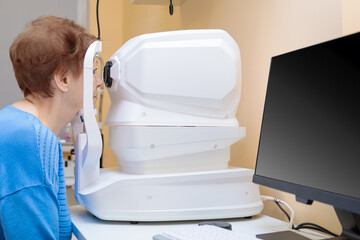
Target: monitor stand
(350, 223)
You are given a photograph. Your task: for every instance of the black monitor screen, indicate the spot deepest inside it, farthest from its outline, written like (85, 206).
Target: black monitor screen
(310, 136)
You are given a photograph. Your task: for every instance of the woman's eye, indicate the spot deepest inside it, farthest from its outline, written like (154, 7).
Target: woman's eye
(94, 71)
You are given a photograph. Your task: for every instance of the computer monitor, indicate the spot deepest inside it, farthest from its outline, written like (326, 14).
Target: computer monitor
(310, 135)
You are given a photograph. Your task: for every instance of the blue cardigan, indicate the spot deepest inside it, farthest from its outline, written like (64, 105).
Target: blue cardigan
(32, 183)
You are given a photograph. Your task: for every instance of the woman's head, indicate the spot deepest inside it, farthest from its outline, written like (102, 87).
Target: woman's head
(48, 46)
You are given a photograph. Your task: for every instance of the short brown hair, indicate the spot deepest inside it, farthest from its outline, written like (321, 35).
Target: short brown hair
(47, 46)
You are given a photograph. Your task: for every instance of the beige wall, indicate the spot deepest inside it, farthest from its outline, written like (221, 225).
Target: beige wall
(351, 16)
(262, 28)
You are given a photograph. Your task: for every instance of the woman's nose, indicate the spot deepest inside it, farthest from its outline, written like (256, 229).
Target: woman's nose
(98, 80)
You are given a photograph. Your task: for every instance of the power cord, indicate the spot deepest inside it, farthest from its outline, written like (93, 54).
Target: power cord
(97, 19)
(171, 8)
(316, 227)
(283, 210)
(290, 218)
(278, 201)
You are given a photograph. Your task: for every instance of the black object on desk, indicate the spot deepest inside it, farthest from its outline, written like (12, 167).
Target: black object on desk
(282, 235)
(224, 225)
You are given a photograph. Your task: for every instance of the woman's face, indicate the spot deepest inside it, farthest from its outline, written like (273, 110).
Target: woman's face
(97, 80)
(76, 93)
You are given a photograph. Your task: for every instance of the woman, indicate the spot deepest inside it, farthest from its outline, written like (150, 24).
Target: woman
(48, 64)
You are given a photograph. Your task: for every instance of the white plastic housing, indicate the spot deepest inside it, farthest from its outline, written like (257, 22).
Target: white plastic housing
(147, 150)
(173, 102)
(179, 78)
(172, 197)
(182, 129)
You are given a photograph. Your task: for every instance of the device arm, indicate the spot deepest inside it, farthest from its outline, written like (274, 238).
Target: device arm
(88, 144)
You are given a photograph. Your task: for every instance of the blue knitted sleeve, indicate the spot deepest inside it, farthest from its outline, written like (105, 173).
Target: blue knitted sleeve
(31, 213)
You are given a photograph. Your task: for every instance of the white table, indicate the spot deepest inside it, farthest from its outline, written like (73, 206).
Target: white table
(86, 226)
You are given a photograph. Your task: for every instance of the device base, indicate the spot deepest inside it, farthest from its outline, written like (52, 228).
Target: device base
(216, 194)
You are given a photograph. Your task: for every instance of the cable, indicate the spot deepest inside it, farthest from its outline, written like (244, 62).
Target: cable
(305, 225)
(314, 226)
(171, 8)
(291, 217)
(283, 210)
(97, 19)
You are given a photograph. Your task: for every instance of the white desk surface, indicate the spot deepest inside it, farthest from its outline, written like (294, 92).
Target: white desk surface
(86, 226)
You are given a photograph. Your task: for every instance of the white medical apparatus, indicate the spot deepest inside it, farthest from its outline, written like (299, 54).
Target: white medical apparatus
(174, 96)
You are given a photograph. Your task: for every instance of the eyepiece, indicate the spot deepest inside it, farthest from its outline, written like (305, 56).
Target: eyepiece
(107, 79)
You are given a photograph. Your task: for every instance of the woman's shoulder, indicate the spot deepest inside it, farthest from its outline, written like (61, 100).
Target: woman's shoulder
(15, 122)
(19, 156)
(30, 150)
(16, 125)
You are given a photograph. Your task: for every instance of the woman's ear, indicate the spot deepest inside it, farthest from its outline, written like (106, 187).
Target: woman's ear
(61, 82)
